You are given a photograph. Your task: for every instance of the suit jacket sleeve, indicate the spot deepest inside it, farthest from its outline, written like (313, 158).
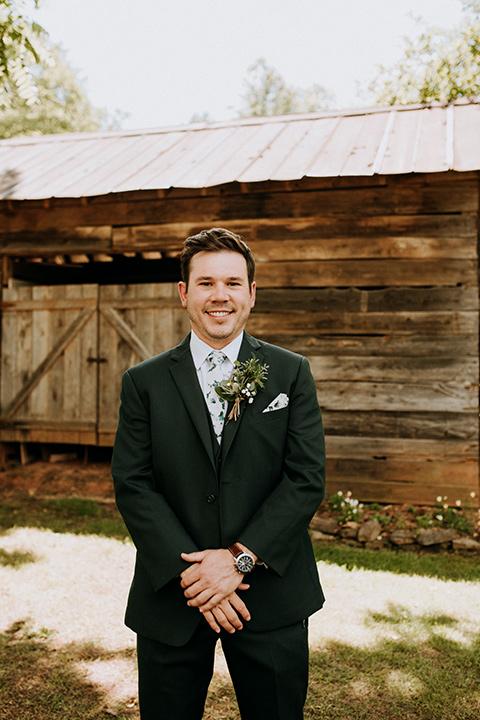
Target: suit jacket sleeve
(276, 530)
(156, 531)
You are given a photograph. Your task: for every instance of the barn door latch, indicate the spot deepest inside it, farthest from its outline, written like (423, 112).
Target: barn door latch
(97, 360)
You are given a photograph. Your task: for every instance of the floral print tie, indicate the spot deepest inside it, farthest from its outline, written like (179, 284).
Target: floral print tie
(216, 406)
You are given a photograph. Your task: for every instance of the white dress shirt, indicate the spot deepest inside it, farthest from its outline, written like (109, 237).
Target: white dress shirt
(200, 351)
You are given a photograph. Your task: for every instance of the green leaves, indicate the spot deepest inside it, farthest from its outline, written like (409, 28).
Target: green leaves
(439, 65)
(20, 47)
(247, 378)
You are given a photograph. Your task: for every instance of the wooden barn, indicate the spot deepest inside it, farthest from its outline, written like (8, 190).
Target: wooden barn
(364, 225)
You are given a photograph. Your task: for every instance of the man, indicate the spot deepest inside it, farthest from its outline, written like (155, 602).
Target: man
(218, 507)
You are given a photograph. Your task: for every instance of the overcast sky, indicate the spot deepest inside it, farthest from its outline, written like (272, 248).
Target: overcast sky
(164, 61)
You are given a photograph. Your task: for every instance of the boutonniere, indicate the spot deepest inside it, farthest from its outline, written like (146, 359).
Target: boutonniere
(247, 378)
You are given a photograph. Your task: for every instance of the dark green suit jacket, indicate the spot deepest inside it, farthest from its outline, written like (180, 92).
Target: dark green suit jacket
(178, 492)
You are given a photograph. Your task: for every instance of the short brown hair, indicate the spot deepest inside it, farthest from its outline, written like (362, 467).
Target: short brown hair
(215, 240)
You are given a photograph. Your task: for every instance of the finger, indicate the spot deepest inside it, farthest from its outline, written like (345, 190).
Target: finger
(188, 579)
(209, 617)
(194, 556)
(202, 599)
(223, 620)
(243, 586)
(231, 615)
(238, 604)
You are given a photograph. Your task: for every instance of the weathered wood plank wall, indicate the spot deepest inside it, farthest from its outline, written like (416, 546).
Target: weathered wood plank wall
(374, 279)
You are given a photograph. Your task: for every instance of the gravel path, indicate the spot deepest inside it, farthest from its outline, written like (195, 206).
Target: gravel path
(78, 585)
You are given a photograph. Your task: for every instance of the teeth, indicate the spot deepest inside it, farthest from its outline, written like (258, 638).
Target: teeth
(219, 314)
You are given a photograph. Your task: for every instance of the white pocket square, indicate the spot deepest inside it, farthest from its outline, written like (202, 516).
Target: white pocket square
(280, 402)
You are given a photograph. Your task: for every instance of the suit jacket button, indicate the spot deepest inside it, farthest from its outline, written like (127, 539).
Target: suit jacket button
(211, 498)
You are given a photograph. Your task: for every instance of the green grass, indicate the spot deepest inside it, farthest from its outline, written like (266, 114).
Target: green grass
(422, 663)
(445, 566)
(15, 559)
(63, 515)
(41, 683)
(90, 517)
(398, 679)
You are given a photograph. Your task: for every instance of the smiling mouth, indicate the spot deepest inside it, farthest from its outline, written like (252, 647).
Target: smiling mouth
(219, 313)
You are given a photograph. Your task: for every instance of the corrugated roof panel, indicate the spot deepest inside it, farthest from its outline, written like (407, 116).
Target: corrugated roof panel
(301, 153)
(265, 164)
(431, 149)
(361, 159)
(339, 146)
(179, 160)
(206, 164)
(239, 166)
(113, 170)
(466, 133)
(56, 163)
(402, 139)
(34, 167)
(401, 146)
(140, 172)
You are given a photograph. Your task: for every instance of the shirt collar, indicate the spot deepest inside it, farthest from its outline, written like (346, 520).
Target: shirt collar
(200, 350)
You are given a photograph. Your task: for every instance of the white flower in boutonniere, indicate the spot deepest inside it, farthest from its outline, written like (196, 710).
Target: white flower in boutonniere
(247, 378)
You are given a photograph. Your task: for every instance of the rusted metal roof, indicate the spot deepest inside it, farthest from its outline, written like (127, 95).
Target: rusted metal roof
(384, 141)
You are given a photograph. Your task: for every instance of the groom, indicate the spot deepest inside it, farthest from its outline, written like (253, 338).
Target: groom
(218, 507)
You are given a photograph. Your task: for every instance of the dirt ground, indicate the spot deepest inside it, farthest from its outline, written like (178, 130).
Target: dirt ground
(92, 479)
(65, 479)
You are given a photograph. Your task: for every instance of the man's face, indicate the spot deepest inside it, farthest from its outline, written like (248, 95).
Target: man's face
(218, 299)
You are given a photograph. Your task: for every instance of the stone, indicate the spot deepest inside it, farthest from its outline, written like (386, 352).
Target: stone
(320, 536)
(350, 530)
(369, 531)
(353, 542)
(436, 536)
(377, 544)
(325, 525)
(466, 543)
(403, 537)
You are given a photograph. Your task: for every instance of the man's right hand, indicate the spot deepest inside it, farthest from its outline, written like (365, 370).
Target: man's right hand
(227, 614)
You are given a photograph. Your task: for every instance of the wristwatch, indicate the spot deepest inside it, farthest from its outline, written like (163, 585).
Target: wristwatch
(243, 561)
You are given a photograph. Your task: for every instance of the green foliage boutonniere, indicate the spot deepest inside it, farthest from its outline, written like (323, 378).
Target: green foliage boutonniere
(247, 378)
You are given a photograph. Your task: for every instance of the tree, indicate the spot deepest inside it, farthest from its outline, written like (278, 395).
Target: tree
(61, 103)
(20, 48)
(268, 94)
(439, 65)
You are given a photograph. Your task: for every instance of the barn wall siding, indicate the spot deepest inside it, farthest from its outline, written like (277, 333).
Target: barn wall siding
(374, 279)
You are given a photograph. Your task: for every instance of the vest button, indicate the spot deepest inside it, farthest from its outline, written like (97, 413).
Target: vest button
(211, 498)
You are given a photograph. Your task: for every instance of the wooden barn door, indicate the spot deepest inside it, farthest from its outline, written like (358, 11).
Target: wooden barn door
(135, 323)
(64, 350)
(48, 376)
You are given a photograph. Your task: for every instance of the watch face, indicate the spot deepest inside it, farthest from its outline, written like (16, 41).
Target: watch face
(245, 563)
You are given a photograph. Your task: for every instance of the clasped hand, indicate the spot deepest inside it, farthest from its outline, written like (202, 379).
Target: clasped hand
(210, 584)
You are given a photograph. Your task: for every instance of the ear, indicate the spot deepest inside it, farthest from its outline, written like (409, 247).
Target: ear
(253, 292)
(182, 291)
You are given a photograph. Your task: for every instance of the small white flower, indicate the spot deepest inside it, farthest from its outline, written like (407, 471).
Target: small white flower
(472, 494)
(439, 498)
(439, 517)
(458, 503)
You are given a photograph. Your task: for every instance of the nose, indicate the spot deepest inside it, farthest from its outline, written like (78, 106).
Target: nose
(220, 292)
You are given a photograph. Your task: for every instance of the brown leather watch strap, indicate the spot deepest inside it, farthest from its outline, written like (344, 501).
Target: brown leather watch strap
(235, 549)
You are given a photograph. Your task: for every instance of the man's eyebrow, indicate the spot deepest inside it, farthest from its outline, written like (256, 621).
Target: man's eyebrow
(202, 278)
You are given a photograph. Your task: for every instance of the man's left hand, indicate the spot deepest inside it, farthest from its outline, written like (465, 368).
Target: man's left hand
(210, 579)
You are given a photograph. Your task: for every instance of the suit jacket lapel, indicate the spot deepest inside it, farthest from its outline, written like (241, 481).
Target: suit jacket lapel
(249, 345)
(185, 377)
